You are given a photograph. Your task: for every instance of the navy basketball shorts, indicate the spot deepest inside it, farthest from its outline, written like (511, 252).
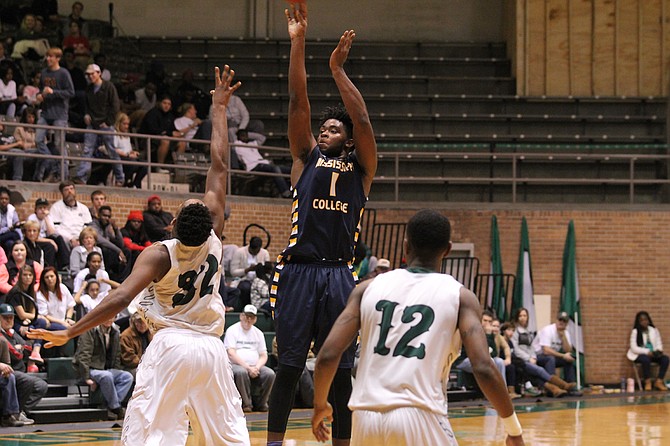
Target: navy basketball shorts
(308, 298)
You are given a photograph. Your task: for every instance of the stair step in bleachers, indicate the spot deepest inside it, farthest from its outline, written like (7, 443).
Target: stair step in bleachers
(63, 402)
(517, 125)
(215, 47)
(459, 104)
(57, 390)
(247, 63)
(68, 415)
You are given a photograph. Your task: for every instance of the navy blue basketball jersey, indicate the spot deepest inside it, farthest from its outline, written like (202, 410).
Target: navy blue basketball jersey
(328, 203)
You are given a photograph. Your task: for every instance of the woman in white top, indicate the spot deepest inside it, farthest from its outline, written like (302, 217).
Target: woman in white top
(88, 239)
(646, 347)
(124, 148)
(54, 301)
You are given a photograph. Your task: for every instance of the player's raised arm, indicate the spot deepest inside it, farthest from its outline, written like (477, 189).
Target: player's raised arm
(487, 375)
(217, 175)
(300, 137)
(364, 137)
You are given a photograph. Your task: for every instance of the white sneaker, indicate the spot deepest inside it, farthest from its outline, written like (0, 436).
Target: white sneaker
(26, 421)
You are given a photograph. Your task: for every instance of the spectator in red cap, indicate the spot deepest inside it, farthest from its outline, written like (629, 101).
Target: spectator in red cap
(134, 236)
(157, 222)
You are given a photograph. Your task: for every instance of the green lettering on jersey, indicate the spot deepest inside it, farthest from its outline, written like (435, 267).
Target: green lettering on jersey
(408, 315)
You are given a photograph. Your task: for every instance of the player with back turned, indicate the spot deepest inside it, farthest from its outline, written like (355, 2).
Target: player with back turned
(331, 177)
(411, 323)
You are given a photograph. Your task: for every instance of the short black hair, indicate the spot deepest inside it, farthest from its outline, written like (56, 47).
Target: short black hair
(255, 243)
(104, 207)
(340, 113)
(428, 233)
(5, 190)
(90, 256)
(194, 224)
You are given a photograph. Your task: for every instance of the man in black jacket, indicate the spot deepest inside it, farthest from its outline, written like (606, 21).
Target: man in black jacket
(160, 121)
(157, 222)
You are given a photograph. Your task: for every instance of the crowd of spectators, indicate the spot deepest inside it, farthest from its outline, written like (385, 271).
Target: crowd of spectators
(57, 75)
(56, 265)
(61, 261)
(57, 71)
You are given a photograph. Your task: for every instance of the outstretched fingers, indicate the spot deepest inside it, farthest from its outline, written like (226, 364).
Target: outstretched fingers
(298, 14)
(223, 79)
(348, 38)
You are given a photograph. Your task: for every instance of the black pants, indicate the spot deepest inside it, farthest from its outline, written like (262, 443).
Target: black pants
(30, 390)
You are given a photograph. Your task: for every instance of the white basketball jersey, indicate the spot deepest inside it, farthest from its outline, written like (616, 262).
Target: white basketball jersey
(188, 295)
(409, 339)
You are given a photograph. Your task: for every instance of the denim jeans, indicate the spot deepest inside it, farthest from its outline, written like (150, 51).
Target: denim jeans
(91, 144)
(549, 363)
(114, 385)
(17, 163)
(49, 166)
(10, 400)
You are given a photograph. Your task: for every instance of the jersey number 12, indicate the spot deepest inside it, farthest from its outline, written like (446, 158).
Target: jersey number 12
(402, 348)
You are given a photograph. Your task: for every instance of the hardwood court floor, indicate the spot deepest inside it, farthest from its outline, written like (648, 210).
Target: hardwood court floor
(639, 420)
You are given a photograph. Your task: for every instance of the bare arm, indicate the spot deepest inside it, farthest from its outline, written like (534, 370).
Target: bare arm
(551, 352)
(364, 137)
(51, 229)
(262, 360)
(217, 176)
(341, 336)
(487, 376)
(152, 264)
(474, 341)
(300, 137)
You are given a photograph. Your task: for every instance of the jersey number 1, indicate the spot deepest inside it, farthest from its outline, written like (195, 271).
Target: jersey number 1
(333, 182)
(427, 316)
(186, 282)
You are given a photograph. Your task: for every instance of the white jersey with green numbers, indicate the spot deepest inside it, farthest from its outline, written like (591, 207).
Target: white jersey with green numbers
(409, 339)
(188, 295)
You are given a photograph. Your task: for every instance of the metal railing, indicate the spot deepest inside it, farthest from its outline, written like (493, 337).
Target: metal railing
(511, 162)
(144, 141)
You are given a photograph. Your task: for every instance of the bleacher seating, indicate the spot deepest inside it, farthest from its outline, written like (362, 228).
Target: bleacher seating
(431, 97)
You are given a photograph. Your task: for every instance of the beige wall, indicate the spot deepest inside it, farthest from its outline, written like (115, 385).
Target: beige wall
(420, 20)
